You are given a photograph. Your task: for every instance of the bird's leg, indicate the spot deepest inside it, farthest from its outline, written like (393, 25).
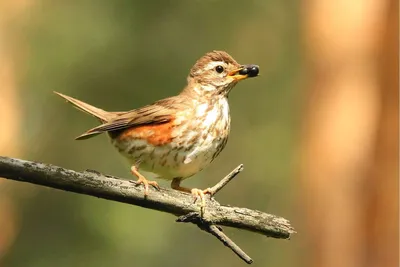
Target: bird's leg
(175, 184)
(142, 180)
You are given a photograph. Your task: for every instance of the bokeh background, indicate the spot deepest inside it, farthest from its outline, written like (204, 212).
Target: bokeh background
(317, 131)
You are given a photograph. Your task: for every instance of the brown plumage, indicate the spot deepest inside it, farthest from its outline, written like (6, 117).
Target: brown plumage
(178, 136)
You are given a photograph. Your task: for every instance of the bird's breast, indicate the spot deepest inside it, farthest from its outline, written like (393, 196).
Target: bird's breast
(208, 125)
(182, 147)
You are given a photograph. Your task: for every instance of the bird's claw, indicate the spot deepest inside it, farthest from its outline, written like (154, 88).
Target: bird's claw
(198, 193)
(145, 183)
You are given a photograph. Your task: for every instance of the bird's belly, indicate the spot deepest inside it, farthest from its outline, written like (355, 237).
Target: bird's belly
(171, 160)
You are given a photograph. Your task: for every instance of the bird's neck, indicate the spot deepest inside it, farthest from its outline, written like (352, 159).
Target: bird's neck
(202, 91)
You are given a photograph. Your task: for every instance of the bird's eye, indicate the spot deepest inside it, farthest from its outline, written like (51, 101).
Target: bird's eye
(219, 69)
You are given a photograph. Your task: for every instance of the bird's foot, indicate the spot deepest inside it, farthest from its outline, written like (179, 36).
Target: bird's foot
(142, 180)
(200, 194)
(197, 193)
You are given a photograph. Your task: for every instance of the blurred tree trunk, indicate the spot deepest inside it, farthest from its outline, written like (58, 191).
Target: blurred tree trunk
(382, 216)
(9, 101)
(10, 111)
(349, 151)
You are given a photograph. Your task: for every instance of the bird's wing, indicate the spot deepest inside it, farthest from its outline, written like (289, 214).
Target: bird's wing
(158, 113)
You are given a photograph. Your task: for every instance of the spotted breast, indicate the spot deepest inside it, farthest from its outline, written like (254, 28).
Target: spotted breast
(183, 146)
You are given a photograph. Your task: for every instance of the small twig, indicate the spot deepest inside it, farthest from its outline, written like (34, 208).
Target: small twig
(213, 190)
(217, 232)
(167, 200)
(224, 181)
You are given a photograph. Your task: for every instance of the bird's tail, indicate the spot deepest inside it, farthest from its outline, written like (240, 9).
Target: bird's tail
(102, 115)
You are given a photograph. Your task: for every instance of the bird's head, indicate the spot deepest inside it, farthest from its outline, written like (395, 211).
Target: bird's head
(216, 73)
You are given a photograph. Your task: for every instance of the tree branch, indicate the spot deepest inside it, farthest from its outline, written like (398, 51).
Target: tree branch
(167, 200)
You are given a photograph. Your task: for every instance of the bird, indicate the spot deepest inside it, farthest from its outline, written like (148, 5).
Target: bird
(176, 137)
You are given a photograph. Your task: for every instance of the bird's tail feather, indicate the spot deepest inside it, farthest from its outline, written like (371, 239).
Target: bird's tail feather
(102, 115)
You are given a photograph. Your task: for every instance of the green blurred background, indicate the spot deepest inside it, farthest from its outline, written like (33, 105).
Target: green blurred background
(120, 55)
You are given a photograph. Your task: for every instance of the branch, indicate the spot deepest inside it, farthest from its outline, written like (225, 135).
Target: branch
(167, 200)
(213, 190)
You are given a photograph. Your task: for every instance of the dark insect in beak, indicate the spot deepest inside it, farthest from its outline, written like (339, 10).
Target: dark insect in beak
(249, 70)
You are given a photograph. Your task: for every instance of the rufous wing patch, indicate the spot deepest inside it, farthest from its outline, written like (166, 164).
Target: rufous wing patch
(154, 134)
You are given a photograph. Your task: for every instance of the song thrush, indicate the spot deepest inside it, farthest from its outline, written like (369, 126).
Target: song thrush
(176, 137)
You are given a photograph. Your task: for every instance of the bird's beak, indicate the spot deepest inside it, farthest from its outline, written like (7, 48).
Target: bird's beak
(245, 71)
